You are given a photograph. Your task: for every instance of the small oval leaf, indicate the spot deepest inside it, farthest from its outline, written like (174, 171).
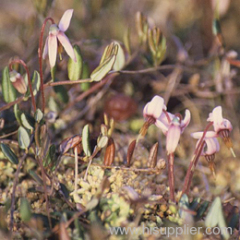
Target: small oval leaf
(25, 210)
(23, 138)
(26, 122)
(214, 213)
(130, 152)
(109, 153)
(120, 58)
(102, 141)
(85, 141)
(9, 154)
(101, 71)
(8, 91)
(35, 83)
(75, 68)
(106, 64)
(17, 113)
(38, 115)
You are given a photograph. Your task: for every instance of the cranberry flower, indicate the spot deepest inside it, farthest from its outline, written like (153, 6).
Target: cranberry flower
(56, 36)
(153, 110)
(221, 125)
(211, 143)
(210, 147)
(172, 126)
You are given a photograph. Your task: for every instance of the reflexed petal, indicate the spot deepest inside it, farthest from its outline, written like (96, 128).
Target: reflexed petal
(156, 106)
(45, 49)
(209, 134)
(212, 146)
(216, 117)
(52, 50)
(162, 126)
(186, 120)
(145, 110)
(173, 136)
(65, 20)
(67, 45)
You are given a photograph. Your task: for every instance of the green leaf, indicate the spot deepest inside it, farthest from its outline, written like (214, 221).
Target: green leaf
(23, 138)
(85, 71)
(126, 40)
(101, 71)
(213, 213)
(120, 58)
(38, 115)
(9, 154)
(35, 83)
(193, 205)
(61, 93)
(201, 210)
(26, 122)
(9, 92)
(215, 217)
(85, 140)
(102, 141)
(25, 210)
(106, 63)
(17, 114)
(75, 68)
(85, 74)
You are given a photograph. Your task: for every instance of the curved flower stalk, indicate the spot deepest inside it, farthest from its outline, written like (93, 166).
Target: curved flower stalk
(210, 147)
(56, 36)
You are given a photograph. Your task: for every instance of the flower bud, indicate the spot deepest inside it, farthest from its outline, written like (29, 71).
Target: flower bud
(18, 82)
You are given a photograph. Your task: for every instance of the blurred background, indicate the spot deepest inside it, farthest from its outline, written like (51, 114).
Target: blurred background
(187, 24)
(190, 20)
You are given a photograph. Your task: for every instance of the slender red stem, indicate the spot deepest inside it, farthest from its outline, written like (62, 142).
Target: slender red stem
(28, 77)
(67, 82)
(171, 176)
(193, 164)
(40, 50)
(194, 161)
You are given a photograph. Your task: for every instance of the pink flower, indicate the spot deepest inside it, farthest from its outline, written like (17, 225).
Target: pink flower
(163, 121)
(219, 123)
(211, 143)
(172, 126)
(56, 34)
(173, 136)
(153, 110)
